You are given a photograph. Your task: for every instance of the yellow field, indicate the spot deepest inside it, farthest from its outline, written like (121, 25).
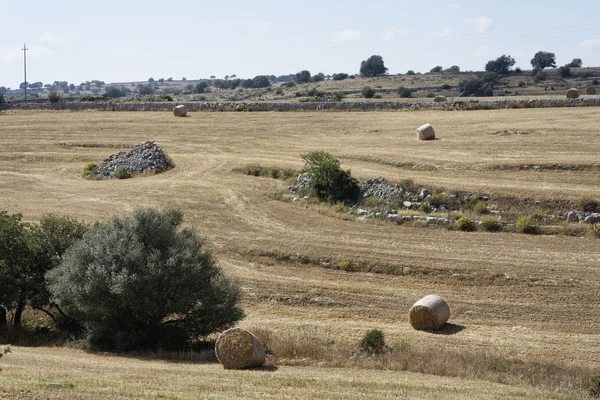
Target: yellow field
(530, 303)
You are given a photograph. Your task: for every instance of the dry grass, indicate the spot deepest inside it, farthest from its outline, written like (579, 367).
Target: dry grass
(517, 296)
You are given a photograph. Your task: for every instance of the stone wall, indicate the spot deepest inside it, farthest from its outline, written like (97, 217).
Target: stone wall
(307, 106)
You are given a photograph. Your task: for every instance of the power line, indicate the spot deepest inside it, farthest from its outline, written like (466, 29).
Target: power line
(25, 67)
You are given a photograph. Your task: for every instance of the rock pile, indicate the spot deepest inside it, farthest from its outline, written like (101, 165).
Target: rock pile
(584, 217)
(301, 184)
(144, 157)
(380, 189)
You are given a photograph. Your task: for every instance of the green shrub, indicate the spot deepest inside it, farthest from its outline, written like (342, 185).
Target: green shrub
(404, 93)
(595, 82)
(491, 224)
(89, 170)
(279, 91)
(122, 173)
(595, 386)
(446, 86)
(338, 96)
(588, 204)
(372, 202)
(373, 342)
(425, 208)
(430, 95)
(465, 224)
(525, 224)
(565, 71)
(329, 181)
(338, 207)
(410, 72)
(595, 230)
(141, 283)
(345, 265)
(438, 199)
(408, 185)
(480, 208)
(367, 92)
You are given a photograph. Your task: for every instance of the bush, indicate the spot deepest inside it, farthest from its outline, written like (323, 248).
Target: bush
(373, 342)
(372, 202)
(588, 204)
(2, 101)
(437, 69)
(480, 208)
(122, 173)
(565, 71)
(595, 82)
(303, 76)
(446, 86)
(410, 72)
(89, 170)
(438, 199)
(329, 181)
(525, 224)
(279, 91)
(367, 92)
(491, 224)
(465, 224)
(340, 77)
(404, 92)
(140, 283)
(425, 208)
(595, 230)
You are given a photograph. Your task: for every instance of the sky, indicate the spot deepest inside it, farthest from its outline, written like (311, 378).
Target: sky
(133, 40)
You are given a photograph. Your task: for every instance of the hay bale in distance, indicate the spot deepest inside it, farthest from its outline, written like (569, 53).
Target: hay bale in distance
(426, 132)
(431, 312)
(572, 93)
(237, 348)
(180, 111)
(440, 99)
(590, 90)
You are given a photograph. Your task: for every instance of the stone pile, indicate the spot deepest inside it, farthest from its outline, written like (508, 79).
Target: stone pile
(143, 157)
(301, 184)
(583, 217)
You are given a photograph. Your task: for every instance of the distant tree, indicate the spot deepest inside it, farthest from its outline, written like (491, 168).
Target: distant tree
(113, 92)
(169, 79)
(576, 63)
(189, 87)
(565, 71)
(54, 97)
(501, 65)
(318, 77)
(161, 80)
(71, 86)
(233, 76)
(373, 66)
(35, 85)
(23, 85)
(340, 77)
(247, 83)
(260, 81)
(3, 89)
(234, 83)
(2, 101)
(221, 84)
(145, 89)
(476, 87)
(184, 78)
(367, 92)
(404, 92)
(410, 72)
(303, 76)
(212, 77)
(226, 77)
(543, 59)
(200, 87)
(151, 80)
(455, 69)
(437, 69)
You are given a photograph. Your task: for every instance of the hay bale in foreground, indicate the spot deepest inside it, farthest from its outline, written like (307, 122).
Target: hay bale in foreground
(426, 132)
(572, 93)
(440, 99)
(431, 312)
(237, 348)
(590, 90)
(180, 111)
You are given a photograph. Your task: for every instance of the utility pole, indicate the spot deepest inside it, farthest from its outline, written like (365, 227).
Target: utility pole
(25, 66)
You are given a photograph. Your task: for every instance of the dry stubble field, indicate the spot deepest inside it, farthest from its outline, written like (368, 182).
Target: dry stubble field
(525, 309)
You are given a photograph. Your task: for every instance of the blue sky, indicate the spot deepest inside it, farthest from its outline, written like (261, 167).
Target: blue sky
(123, 40)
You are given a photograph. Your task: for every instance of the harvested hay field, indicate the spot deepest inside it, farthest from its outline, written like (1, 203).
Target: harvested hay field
(514, 296)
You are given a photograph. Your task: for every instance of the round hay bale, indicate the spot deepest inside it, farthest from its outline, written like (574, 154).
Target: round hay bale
(237, 348)
(440, 99)
(572, 93)
(431, 312)
(180, 111)
(426, 132)
(590, 90)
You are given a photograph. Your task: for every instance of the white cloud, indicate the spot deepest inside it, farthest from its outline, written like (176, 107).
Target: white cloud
(346, 36)
(51, 37)
(391, 33)
(443, 34)
(480, 24)
(590, 43)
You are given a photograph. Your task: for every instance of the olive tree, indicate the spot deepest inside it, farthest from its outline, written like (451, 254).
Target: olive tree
(141, 283)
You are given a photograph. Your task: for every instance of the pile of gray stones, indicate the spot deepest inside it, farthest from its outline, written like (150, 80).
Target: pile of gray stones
(143, 157)
(395, 194)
